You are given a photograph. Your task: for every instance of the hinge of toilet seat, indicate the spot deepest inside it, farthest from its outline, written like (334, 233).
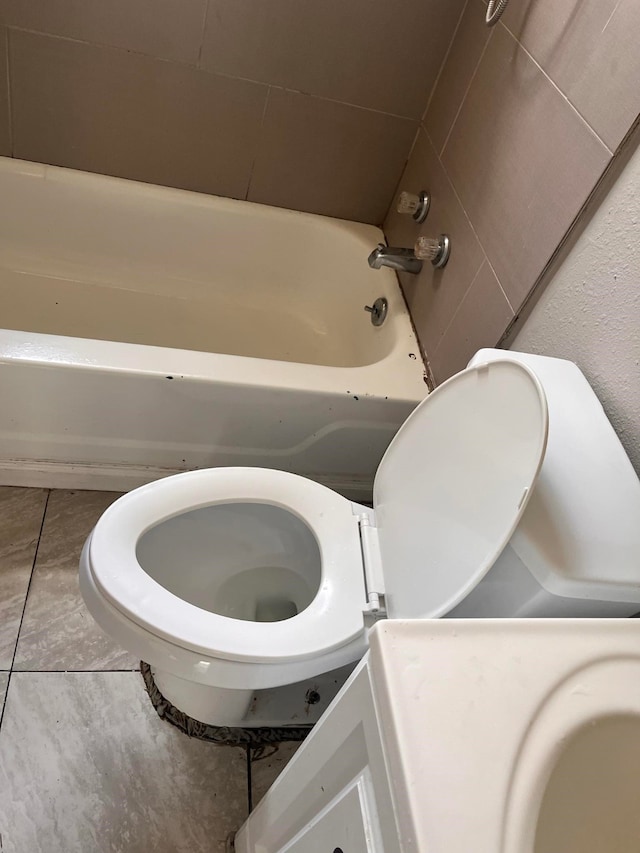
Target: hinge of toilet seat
(372, 565)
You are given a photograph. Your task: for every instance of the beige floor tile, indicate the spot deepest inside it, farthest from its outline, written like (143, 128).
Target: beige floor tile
(86, 766)
(266, 769)
(58, 633)
(4, 680)
(21, 512)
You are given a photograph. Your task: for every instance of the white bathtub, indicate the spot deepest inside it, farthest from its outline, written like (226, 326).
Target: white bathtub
(148, 330)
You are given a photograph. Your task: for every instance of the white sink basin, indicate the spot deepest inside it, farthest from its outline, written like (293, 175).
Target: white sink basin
(513, 736)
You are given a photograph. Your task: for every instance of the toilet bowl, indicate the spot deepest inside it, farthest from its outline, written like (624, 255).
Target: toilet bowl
(233, 581)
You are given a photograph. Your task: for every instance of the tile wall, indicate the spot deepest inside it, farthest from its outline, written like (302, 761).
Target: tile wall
(523, 121)
(313, 106)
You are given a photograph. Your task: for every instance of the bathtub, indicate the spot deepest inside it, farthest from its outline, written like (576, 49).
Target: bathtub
(148, 331)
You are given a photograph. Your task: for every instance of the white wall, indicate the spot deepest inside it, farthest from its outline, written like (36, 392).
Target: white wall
(590, 311)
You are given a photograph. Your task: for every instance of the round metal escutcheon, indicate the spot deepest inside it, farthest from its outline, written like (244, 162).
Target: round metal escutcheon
(378, 311)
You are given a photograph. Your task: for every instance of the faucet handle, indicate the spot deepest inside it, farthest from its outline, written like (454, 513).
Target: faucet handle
(435, 250)
(416, 205)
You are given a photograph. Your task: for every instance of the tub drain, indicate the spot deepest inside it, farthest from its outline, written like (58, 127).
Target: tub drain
(229, 735)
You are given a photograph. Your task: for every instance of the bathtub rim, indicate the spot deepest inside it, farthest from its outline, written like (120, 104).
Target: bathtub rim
(408, 384)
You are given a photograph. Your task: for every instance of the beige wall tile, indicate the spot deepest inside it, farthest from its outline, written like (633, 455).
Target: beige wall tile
(5, 132)
(329, 158)
(171, 29)
(470, 40)
(589, 48)
(434, 295)
(123, 114)
(367, 52)
(479, 322)
(522, 162)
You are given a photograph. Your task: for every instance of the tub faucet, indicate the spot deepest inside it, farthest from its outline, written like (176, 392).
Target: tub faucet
(403, 260)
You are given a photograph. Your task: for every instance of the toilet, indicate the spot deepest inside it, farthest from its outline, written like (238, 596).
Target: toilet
(505, 493)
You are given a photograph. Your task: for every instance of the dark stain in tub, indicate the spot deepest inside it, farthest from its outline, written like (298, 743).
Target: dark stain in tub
(412, 355)
(168, 377)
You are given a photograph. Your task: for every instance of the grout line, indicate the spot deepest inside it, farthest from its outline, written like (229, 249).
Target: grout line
(54, 671)
(200, 70)
(444, 60)
(24, 606)
(400, 179)
(611, 15)
(556, 87)
(460, 304)
(502, 290)
(249, 791)
(258, 143)
(293, 91)
(466, 93)
(204, 30)
(453, 189)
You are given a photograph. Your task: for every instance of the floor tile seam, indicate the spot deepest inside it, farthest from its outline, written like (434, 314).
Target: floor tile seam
(24, 605)
(249, 784)
(20, 671)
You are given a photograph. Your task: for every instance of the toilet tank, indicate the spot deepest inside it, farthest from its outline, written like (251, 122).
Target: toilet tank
(576, 550)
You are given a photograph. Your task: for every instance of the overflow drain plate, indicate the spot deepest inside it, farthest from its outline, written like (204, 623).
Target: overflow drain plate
(378, 311)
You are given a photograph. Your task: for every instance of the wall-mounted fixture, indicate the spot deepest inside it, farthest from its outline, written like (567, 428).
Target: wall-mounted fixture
(378, 311)
(402, 260)
(417, 205)
(436, 250)
(495, 9)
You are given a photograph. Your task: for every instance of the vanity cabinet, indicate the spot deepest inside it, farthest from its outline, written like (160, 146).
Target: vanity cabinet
(460, 735)
(334, 795)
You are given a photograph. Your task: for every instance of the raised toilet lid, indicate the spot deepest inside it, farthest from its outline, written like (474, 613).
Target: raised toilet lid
(454, 483)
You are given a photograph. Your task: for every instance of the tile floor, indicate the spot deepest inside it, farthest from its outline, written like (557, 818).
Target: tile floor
(86, 765)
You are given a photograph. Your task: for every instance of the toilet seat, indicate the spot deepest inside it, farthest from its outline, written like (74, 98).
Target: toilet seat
(333, 619)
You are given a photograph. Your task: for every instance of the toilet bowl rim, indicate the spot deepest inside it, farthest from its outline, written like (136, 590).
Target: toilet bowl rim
(207, 669)
(332, 620)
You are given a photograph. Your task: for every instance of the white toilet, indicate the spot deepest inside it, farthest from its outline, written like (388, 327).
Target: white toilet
(230, 582)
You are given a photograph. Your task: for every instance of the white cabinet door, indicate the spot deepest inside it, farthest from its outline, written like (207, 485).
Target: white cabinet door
(347, 824)
(334, 795)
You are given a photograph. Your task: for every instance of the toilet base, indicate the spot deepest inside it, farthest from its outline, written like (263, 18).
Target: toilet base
(224, 735)
(271, 715)
(215, 706)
